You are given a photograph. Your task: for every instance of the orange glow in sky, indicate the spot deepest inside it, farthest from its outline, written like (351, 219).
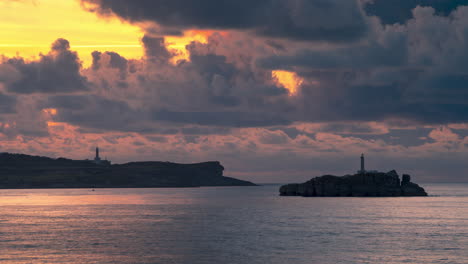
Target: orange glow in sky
(50, 111)
(289, 80)
(54, 124)
(30, 26)
(177, 44)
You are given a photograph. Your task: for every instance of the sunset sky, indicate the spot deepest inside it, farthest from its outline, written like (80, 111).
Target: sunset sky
(278, 91)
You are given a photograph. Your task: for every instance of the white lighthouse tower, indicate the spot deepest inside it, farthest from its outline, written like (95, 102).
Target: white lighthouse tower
(97, 160)
(363, 170)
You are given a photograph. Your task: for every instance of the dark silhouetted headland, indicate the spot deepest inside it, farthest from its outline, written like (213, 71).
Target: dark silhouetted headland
(24, 171)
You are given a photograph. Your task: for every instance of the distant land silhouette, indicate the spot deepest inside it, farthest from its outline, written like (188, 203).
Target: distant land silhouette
(362, 184)
(25, 171)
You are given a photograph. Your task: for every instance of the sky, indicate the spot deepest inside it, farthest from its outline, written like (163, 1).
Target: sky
(277, 90)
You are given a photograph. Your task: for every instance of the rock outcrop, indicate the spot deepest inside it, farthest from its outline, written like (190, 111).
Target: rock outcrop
(24, 171)
(370, 184)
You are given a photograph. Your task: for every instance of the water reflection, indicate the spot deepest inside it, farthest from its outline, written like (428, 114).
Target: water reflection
(229, 225)
(46, 197)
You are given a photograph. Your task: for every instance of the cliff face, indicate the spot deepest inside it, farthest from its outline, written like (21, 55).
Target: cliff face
(358, 185)
(23, 171)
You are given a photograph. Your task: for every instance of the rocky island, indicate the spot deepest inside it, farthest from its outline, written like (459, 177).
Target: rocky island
(24, 171)
(362, 184)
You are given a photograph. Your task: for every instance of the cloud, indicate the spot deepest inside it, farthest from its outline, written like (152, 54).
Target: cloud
(225, 119)
(7, 104)
(262, 154)
(56, 72)
(24, 118)
(318, 20)
(444, 134)
(400, 11)
(110, 60)
(414, 71)
(93, 111)
(211, 89)
(155, 49)
(391, 52)
(227, 81)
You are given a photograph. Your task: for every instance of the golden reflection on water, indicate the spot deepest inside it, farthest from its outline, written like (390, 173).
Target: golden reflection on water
(32, 199)
(59, 197)
(85, 226)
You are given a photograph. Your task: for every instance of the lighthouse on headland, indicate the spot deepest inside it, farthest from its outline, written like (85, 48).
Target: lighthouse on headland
(97, 160)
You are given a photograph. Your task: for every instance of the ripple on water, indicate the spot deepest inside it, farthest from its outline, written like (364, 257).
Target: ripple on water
(230, 225)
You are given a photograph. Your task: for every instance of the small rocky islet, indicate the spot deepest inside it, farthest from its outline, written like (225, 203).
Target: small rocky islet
(358, 185)
(362, 184)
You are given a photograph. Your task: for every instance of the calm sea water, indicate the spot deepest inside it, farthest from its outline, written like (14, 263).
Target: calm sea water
(231, 225)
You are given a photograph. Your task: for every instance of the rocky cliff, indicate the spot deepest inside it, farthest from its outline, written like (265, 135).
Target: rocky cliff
(358, 185)
(24, 171)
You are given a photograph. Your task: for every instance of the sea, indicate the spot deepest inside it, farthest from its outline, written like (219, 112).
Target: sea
(231, 225)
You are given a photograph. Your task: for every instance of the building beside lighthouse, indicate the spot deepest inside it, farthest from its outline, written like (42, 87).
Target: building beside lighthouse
(97, 160)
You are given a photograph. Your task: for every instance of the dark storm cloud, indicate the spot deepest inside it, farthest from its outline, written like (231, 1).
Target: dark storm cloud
(199, 130)
(56, 72)
(371, 102)
(415, 71)
(339, 99)
(226, 119)
(116, 61)
(392, 53)
(441, 88)
(387, 75)
(7, 104)
(96, 60)
(213, 64)
(94, 111)
(328, 20)
(113, 61)
(155, 49)
(363, 103)
(399, 11)
(209, 89)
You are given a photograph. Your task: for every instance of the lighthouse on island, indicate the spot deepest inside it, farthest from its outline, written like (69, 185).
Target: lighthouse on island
(363, 168)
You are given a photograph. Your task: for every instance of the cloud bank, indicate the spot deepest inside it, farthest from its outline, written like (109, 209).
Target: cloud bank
(328, 20)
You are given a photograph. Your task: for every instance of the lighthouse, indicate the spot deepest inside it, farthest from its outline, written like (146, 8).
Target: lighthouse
(363, 170)
(97, 159)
